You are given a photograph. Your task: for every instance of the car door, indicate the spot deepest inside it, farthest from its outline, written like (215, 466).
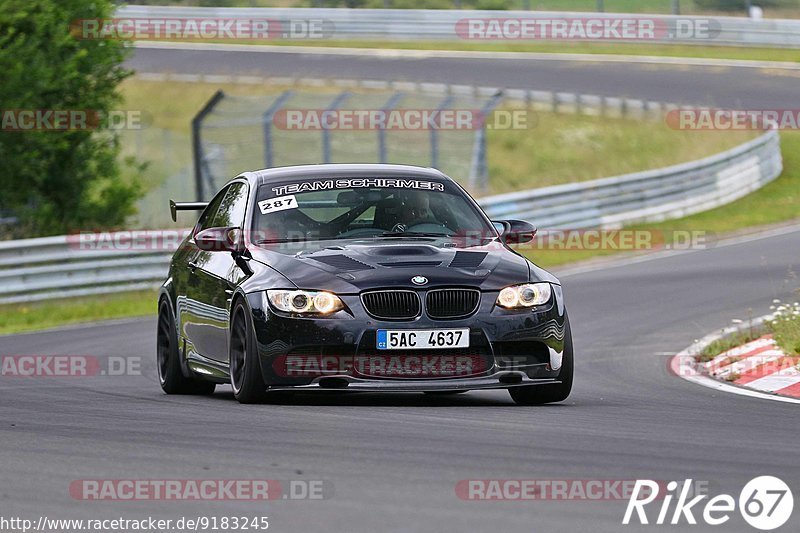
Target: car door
(213, 277)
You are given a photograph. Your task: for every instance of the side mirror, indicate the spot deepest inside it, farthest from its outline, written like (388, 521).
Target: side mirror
(515, 231)
(220, 240)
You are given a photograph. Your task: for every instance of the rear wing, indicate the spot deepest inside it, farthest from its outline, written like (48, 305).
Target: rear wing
(174, 207)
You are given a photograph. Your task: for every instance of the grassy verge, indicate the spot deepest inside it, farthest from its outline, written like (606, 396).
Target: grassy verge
(608, 48)
(786, 327)
(18, 318)
(729, 342)
(599, 147)
(774, 203)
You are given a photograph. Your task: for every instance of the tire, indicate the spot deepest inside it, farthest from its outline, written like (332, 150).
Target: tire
(246, 379)
(170, 375)
(542, 394)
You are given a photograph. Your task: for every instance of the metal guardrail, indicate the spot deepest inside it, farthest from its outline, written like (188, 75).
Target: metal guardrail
(37, 269)
(420, 24)
(57, 267)
(649, 196)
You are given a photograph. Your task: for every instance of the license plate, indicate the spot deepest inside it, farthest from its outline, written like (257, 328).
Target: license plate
(422, 339)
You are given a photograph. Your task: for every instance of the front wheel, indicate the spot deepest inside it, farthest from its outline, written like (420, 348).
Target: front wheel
(170, 375)
(542, 394)
(246, 379)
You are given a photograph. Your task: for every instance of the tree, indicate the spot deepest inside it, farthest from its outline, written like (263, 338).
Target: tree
(59, 181)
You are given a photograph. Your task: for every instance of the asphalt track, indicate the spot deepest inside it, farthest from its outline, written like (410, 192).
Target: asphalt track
(392, 461)
(728, 86)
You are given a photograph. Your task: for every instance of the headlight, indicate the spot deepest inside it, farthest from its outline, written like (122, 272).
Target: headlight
(523, 296)
(305, 302)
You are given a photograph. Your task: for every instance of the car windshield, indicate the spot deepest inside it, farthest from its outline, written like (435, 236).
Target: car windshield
(344, 208)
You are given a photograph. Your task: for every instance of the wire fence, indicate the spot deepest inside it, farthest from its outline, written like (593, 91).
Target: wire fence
(233, 134)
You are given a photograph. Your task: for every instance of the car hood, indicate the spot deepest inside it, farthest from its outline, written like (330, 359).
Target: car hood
(350, 266)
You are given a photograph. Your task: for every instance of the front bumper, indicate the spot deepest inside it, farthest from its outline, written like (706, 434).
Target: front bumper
(499, 380)
(516, 347)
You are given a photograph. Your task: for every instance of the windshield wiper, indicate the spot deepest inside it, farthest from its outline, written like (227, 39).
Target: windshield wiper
(279, 241)
(412, 234)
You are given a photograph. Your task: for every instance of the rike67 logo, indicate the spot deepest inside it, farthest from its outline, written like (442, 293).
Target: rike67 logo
(766, 503)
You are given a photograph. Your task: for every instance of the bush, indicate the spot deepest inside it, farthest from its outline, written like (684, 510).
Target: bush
(60, 181)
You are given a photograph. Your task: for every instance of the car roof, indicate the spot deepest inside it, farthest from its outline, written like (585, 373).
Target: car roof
(260, 177)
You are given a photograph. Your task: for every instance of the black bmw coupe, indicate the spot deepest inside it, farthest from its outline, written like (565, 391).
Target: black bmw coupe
(358, 278)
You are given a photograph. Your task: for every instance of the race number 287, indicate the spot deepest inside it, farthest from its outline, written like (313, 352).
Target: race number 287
(277, 204)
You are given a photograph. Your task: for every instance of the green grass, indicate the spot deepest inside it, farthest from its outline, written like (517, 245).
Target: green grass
(777, 202)
(599, 147)
(729, 342)
(18, 318)
(786, 327)
(634, 49)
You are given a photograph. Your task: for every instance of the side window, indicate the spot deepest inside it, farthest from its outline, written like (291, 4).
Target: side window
(206, 219)
(233, 207)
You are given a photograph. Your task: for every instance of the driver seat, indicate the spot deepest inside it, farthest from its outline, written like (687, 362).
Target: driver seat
(387, 213)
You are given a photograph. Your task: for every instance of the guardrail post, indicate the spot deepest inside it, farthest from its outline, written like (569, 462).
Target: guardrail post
(197, 142)
(269, 114)
(388, 106)
(326, 134)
